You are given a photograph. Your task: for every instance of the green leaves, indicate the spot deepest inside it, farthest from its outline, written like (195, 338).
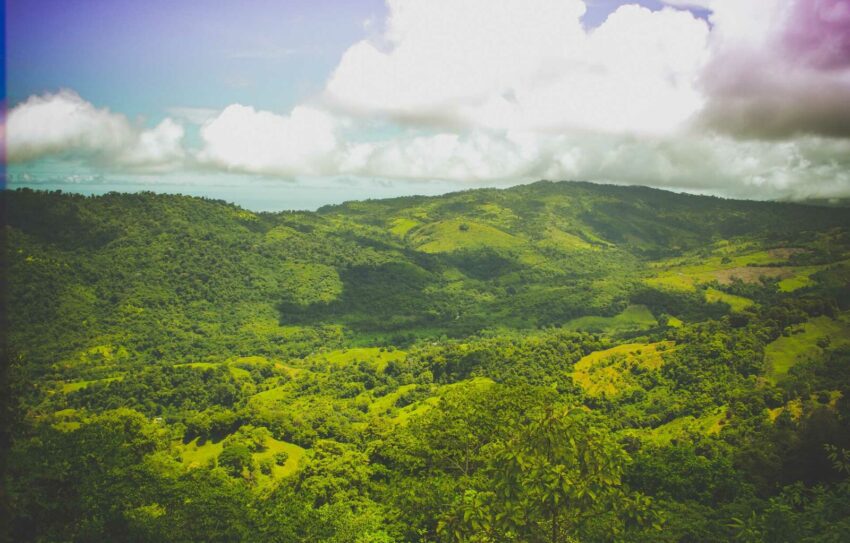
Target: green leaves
(553, 480)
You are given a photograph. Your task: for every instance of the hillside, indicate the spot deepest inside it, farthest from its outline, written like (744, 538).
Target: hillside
(366, 371)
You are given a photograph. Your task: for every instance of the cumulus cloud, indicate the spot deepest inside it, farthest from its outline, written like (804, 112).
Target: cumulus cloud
(243, 139)
(525, 66)
(659, 98)
(64, 124)
(751, 102)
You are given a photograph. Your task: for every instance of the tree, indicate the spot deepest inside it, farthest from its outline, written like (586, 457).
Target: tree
(236, 458)
(337, 471)
(559, 478)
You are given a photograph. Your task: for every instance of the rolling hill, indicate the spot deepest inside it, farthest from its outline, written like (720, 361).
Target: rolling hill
(402, 369)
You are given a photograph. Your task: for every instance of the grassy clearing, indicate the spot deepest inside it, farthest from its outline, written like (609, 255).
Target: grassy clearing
(802, 344)
(65, 420)
(384, 404)
(456, 234)
(98, 356)
(198, 365)
(801, 278)
(496, 214)
(404, 414)
(558, 239)
(679, 428)
(736, 303)
(270, 397)
(198, 454)
(798, 406)
(751, 274)
(683, 427)
(674, 322)
(790, 278)
(273, 446)
(280, 233)
(236, 366)
(634, 317)
(376, 357)
(672, 281)
(77, 385)
(686, 273)
(400, 226)
(612, 372)
(695, 264)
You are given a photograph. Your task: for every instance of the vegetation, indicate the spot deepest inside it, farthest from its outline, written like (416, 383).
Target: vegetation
(555, 362)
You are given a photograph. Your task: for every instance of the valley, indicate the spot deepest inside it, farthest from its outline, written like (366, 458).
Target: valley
(627, 363)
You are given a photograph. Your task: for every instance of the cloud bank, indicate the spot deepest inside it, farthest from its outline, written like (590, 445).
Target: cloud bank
(752, 103)
(65, 125)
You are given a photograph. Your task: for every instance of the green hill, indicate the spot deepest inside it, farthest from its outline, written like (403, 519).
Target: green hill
(420, 368)
(182, 279)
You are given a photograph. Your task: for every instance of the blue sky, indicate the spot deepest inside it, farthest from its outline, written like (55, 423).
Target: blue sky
(316, 101)
(142, 58)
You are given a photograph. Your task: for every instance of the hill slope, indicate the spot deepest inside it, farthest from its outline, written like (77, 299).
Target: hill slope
(181, 279)
(550, 362)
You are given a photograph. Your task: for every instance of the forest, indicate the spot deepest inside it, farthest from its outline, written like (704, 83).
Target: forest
(555, 362)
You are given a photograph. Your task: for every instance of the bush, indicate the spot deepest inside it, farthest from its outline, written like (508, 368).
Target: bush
(281, 458)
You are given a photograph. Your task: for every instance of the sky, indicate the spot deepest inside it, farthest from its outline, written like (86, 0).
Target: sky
(300, 103)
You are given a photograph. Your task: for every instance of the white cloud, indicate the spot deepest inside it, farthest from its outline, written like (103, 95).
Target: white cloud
(158, 148)
(440, 54)
(487, 91)
(525, 65)
(802, 168)
(479, 156)
(63, 124)
(243, 139)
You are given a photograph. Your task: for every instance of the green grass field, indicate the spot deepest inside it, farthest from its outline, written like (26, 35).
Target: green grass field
(77, 385)
(404, 414)
(610, 373)
(731, 261)
(401, 226)
(273, 446)
(736, 303)
(681, 428)
(196, 454)
(375, 356)
(634, 317)
(384, 404)
(674, 322)
(455, 234)
(798, 407)
(564, 241)
(802, 344)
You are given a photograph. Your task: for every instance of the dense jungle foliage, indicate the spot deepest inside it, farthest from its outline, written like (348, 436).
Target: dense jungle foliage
(556, 362)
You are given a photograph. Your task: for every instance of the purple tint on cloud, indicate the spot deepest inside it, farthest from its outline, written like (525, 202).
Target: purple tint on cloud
(819, 33)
